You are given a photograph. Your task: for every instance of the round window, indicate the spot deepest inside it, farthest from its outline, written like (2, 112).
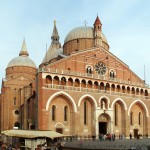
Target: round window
(17, 112)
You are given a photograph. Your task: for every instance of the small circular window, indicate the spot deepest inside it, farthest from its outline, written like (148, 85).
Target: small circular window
(16, 112)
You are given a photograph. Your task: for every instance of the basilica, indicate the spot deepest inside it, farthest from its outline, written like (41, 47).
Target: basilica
(80, 88)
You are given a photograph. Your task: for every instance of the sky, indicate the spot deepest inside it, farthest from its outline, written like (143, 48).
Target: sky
(125, 23)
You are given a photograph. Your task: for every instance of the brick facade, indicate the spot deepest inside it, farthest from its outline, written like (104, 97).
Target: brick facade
(85, 91)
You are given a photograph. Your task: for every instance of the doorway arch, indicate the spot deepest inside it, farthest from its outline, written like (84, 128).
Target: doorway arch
(104, 123)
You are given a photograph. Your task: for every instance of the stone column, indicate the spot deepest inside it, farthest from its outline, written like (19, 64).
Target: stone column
(148, 126)
(127, 125)
(25, 119)
(97, 113)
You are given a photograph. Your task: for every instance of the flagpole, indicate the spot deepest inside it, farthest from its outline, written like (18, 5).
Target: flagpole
(144, 74)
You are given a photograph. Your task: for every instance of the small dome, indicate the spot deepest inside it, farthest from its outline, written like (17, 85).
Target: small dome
(21, 61)
(82, 32)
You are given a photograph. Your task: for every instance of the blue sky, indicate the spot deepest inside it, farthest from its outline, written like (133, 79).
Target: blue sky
(126, 25)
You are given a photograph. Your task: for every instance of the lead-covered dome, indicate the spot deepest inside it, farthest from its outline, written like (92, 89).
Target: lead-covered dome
(82, 32)
(22, 59)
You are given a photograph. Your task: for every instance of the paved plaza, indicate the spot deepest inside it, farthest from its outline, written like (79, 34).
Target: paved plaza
(126, 144)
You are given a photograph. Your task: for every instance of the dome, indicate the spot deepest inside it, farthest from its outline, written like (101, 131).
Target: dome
(21, 61)
(82, 32)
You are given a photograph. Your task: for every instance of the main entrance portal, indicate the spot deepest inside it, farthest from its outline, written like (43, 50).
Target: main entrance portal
(102, 127)
(135, 133)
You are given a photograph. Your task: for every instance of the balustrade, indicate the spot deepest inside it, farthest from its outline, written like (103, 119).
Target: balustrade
(95, 76)
(91, 90)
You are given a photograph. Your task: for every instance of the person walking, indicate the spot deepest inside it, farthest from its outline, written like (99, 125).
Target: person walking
(130, 136)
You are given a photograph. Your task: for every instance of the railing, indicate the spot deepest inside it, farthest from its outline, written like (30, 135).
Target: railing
(96, 91)
(95, 76)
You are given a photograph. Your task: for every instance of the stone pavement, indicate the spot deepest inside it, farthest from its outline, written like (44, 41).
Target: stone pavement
(126, 144)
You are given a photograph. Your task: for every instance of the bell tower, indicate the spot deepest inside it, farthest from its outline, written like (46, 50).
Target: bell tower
(97, 32)
(55, 36)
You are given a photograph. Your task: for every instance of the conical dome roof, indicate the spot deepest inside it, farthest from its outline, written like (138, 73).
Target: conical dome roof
(22, 59)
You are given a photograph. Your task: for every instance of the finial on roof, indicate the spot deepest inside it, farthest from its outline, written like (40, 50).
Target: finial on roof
(85, 22)
(24, 51)
(55, 35)
(54, 22)
(55, 32)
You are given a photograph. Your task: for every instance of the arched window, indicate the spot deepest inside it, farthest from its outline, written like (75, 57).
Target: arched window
(85, 113)
(139, 118)
(48, 79)
(112, 87)
(146, 93)
(17, 125)
(70, 82)
(56, 80)
(83, 83)
(89, 84)
(53, 113)
(14, 100)
(102, 86)
(131, 118)
(95, 85)
(112, 74)
(89, 70)
(65, 113)
(63, 81)
(118, 88)
(107, 87)
(77, 83)
(137, 91)
(115, 115)
(133, 90)
(123, 89)
(128, 89)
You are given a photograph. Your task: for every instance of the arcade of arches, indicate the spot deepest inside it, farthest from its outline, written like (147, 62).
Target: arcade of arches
(96, 116)
(63, 82)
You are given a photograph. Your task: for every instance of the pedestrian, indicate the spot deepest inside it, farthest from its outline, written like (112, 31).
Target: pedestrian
(93, 137)
(130, 136)
(113, 137)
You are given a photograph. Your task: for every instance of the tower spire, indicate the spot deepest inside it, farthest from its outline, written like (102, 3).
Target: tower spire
(98, 32)
(24, 51)
(55, 35)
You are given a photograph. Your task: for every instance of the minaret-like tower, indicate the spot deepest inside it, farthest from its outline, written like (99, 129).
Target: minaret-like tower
(98, 32)
(55, 36)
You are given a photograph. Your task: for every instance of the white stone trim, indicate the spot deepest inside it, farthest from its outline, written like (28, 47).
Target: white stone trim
(87, 95)
(65, 94)
(59, 123)
(147, 113)
(119, 99)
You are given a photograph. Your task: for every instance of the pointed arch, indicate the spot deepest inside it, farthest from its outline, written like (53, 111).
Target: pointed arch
(87, 95)
(119, 99)
(104, 97)
(134, 102)
(61, 93)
